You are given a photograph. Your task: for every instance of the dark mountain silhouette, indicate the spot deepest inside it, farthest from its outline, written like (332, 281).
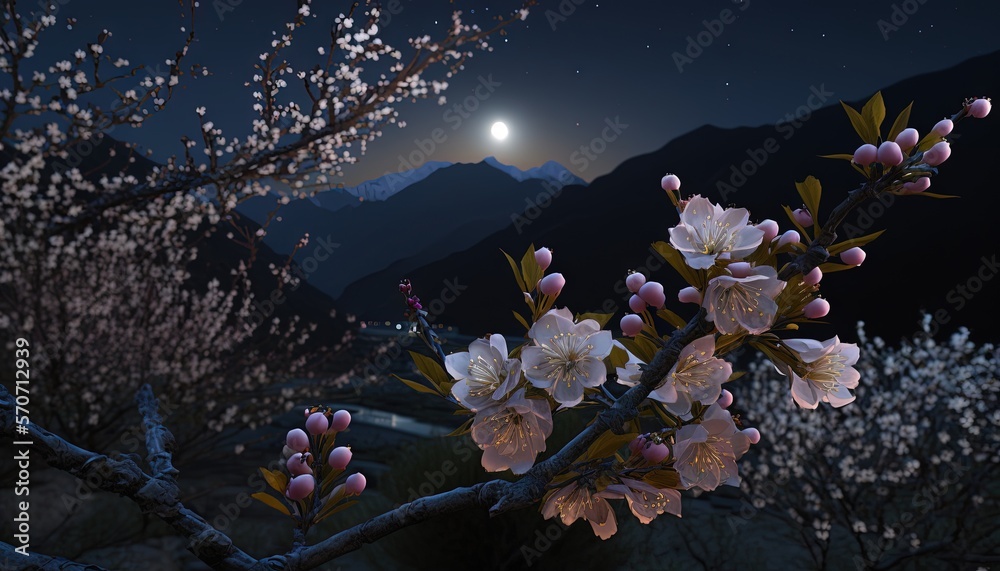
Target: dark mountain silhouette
(931, 249)
(451, 209)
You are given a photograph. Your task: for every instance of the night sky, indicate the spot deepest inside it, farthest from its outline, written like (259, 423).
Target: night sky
(560, 78)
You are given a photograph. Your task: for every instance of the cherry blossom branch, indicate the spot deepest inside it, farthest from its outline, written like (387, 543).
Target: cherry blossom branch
(480, 495)
(159, 441)
(255, 165)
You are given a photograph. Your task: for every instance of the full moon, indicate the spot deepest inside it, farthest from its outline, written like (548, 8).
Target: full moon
(499, 130)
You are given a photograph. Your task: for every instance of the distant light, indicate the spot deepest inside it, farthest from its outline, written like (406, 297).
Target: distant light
(499, 130)
(398, 326)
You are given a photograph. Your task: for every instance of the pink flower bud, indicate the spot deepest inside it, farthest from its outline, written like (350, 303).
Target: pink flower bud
(802, 216)
(919, 185)
(655, 453)
(300, 487)
(631, 325)
(341, 420)
(634, 281)
(725, 399)
(340, 457)
(943, 127)
(317, 423)
(813, 277)
(907, 138)
(790, 237)
(544, 257)
(739, 269)
(297, 440)
(637, 444)
(866, 154)
(816, 308)
(298, 464)
(853, 257)
(306, 413)
(670, 182)
(980, 108)
(889, 154)
(636, 304)
(355, 484)
(753, 434)
(689, 295)
(652, 293)
(937, 154)
(770, 228)
(552, 284)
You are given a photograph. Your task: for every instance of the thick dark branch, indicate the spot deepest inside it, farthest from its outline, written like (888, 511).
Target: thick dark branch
(480, 495)
(159, 440)
(124, 477)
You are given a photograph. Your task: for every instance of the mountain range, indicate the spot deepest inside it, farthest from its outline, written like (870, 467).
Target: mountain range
(447, 210)
(937, 256)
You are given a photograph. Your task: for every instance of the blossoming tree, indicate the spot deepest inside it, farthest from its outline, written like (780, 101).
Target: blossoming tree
(98, 245)
(908, 472)
(663, 427)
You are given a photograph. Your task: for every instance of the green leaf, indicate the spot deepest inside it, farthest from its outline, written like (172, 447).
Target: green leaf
(417, 386)
(520, 319)
(327, 512)
(830, 267)
(874, 113)
(601, 318)
(839, 156)
(676, 260)
(791, 217)
(641, 347)
(854, 242)
(517, 272)
(607, 444)
(618, 357)
(859, 124)
(735, 375)
(934, 195)
(271, 501)
(277, 480)
(900, 123)
(671, 318)
(663, 479)
(430, 368)
(464, 428)
(810, 190)
(530, 269)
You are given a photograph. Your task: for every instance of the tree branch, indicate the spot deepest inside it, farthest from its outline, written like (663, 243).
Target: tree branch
(123, 476)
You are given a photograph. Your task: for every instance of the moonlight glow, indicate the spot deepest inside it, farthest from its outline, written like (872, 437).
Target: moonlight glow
(499, 130)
